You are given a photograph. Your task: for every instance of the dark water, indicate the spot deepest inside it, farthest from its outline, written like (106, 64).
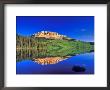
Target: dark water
(79, 64)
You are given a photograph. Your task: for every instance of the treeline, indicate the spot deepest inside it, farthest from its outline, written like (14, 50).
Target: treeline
(29, 42)
(50, 44)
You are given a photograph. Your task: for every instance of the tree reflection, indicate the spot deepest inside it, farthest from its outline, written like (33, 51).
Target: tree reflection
(45, 57)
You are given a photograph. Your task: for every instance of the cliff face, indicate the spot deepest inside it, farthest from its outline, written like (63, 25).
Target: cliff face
(49, 35)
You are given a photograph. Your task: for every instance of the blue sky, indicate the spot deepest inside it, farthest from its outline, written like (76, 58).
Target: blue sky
(77, 27)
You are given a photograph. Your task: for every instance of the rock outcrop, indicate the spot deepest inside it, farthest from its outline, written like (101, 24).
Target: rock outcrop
(49, 35)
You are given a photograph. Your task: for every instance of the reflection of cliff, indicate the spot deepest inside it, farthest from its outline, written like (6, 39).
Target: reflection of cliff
(49, 60)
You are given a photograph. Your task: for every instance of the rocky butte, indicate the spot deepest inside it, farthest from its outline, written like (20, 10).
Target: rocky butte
(48, 35)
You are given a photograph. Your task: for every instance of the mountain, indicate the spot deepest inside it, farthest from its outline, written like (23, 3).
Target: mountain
(50, 35)
(50, 44)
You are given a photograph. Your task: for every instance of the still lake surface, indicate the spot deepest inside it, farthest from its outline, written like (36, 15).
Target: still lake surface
(57, 65)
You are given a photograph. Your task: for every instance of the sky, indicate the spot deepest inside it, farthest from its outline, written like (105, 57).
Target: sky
(77, 27)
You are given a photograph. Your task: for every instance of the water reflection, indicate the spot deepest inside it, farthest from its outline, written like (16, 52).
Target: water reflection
(44, 56)
(50, 60)
(63, 62)
(79, 64)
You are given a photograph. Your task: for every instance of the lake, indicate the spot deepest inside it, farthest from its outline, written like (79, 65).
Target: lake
(77, 64)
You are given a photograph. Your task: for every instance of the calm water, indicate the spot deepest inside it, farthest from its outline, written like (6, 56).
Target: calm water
(57, 65)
